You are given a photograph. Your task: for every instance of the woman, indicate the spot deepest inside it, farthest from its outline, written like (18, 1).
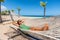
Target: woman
(20, 24)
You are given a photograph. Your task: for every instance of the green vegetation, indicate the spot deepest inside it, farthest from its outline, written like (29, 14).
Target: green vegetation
(1, 0)
(5, 12)
(12, 10)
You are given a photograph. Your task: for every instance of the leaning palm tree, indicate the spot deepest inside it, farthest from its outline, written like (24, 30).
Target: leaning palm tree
(18, 11)
(10, 15)
(43, 4)
(0, 10)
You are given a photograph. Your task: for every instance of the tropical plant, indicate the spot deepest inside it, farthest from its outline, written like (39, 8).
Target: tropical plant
(0, 10)
(43, 4)
(18, 11)
(11, 15)
(4, 12)
(12, 10)
(1, 0)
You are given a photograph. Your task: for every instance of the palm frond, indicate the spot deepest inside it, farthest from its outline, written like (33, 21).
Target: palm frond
(1, 0)
(12, 10)
(18, 8)
(43, 4)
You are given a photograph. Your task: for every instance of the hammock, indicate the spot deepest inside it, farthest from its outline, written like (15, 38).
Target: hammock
(37, 34)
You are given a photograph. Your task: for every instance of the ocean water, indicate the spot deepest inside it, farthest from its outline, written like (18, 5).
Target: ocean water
(37, 15)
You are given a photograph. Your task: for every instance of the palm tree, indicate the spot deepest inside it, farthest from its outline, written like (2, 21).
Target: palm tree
(43, 4)
(11, 15)
(12, 10)
(18, 11)
(0, 10)
(6, 11)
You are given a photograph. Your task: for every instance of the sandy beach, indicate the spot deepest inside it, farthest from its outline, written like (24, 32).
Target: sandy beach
(29, 19)
(38, 22)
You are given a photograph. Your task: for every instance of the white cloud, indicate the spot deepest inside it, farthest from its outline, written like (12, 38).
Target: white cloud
(3, 8)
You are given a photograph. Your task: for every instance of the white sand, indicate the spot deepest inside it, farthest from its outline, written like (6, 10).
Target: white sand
(28, 21)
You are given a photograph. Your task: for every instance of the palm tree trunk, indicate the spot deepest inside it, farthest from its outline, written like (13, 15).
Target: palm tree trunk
(18, 13)
(0, 14)
(44, 12)
(11, 16)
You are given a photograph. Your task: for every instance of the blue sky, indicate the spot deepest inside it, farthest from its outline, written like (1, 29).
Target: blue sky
(32, 7)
